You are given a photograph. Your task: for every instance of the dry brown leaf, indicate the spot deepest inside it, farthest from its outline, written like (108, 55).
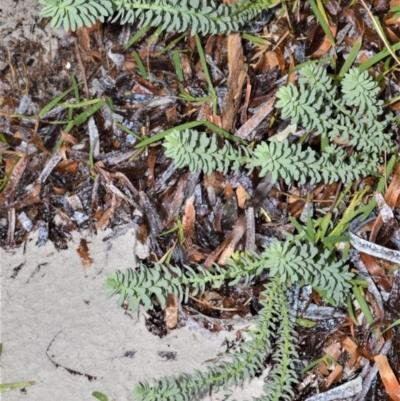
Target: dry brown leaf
(352, 348)
(270, 61)
(388, 377)
(252, 123)
(11, 226)
(372, 265)
(326, 44)
(188, 221)
(334, 377)
(68, 137)
(171, 311)
(7, 195)
(333, 350)
(243, 109)
(385, 224)
(323, 369)
(105, 218)
(228, 245)
(234, 237)
(84, 254)
(292, 76)
(242, 196)
(151, 160)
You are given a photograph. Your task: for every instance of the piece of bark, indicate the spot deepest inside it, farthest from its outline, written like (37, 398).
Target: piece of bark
(252, 123)
(236, 78)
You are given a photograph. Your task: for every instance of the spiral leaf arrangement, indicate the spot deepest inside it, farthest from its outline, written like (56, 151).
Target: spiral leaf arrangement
(273, 327)
(354, 120)
(288, 262)
(202, 16)
(351, 119)
(199, 152)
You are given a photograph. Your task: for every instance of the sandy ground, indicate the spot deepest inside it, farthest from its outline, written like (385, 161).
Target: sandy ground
(55, 318)
(20, 19)
(53, 311)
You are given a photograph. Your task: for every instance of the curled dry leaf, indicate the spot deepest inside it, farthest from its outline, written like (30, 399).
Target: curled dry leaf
(7, 195)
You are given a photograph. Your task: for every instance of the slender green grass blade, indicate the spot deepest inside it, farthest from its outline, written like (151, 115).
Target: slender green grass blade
(54, 102)
(110, 103)
(381, 33)
(3, 139)
(378, 57)
(394, 324)
(191, 124)
(82, 118)
(350, 59)
(367, 209)
(336, 239)
(76, 89)
(350, 309)
(191, 98)
(206, 72)
(178, 65)
(223, 133)
(80, 104)
(322, 21)
(254, 39)
(363, 304)
(321, 60)
(163, 134)
(141, 32)
(170, 45)
(140, 65)
(326, 358)
(127, 130)
(14, 386)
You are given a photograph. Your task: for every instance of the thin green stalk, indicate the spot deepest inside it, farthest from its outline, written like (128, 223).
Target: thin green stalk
(141, 32)
(206, 73)
(363, 304)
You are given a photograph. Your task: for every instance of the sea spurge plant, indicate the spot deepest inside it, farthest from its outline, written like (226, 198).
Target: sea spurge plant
(201, 152)
(352, 120)
(269, 329)
(361, 91)
(287, 262)
(348, 115)
(201, 16)
(73, 14)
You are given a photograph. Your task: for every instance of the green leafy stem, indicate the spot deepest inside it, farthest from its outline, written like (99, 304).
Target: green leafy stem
(242, 365)
(287, 262)
(353, 120)
(202, 16)
(199, 152)
(291, 261)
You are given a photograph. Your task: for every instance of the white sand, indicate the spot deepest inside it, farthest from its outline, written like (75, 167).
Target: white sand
(51, 299)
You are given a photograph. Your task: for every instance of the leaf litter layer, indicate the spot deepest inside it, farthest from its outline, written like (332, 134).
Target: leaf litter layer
(94, 159)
